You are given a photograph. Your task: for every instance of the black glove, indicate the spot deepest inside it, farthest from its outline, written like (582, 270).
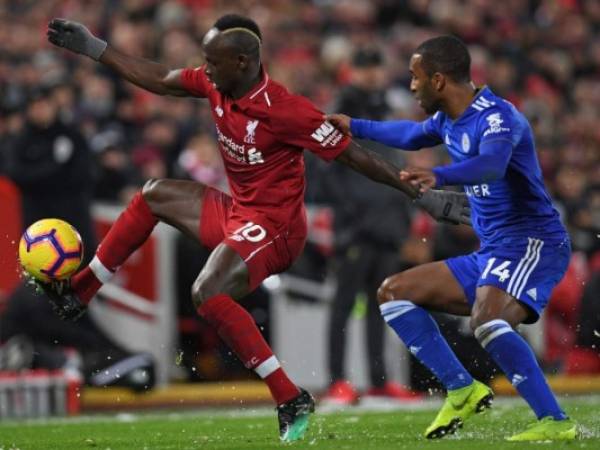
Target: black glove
(64, 302)
(446, 206)
(76, 37)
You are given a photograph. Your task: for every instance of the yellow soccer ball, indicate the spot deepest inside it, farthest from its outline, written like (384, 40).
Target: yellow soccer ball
(50, 249)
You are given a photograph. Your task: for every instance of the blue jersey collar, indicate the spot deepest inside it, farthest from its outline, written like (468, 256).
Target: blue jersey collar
(479, 103)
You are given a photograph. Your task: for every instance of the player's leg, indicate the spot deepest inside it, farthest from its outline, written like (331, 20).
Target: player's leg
(236, 267)
(221, 283)
(509, 300)
(176, 202)
(404, 300)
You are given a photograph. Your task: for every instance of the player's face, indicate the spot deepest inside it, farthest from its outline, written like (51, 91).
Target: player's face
(222, 65)
(421, 85)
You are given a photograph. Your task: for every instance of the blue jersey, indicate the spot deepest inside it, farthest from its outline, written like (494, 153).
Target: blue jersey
(514, 205)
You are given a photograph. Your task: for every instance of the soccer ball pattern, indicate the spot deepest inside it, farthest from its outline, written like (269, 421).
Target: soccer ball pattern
(50, 249)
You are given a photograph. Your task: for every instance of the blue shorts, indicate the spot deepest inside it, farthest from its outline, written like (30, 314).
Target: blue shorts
(528, 269)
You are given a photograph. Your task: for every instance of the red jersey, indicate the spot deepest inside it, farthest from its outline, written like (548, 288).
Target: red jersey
(262, 136)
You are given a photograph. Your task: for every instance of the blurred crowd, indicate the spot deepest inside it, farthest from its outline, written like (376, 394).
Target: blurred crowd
(543, 55)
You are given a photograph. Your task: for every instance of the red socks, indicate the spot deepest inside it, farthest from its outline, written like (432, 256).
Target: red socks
(233, 323)
(239, 331)
(127, 234)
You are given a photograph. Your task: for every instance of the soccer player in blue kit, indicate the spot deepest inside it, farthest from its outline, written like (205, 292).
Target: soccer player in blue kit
(524, 249)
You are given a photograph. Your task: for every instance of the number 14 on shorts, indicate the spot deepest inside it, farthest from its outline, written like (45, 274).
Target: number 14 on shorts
(501, 270)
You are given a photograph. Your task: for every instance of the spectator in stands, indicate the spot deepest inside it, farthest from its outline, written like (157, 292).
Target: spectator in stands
(51, 164)
(370, 224)
(543, 55)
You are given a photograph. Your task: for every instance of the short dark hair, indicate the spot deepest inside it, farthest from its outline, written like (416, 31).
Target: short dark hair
(447, 55)
(244, 42)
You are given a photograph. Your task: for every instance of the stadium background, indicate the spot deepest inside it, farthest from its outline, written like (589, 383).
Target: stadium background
(544, 56)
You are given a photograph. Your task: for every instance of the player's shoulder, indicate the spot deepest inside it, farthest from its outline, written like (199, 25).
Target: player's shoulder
(289, 107)
(282, 98)
(492, 112)
(486, 102)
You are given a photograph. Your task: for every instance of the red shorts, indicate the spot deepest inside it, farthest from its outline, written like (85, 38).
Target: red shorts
(266, 248)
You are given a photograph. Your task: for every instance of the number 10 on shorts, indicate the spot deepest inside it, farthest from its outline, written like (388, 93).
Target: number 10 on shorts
(501, 270)
(251, 232)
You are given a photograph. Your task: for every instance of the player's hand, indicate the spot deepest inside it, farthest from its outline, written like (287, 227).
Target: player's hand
(421, 179)
(63, 300)
(446, 206)
(341, 122)
(76, 37)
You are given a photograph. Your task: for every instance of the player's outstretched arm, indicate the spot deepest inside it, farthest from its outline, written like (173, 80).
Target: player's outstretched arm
(444, 206)
(489, 165)
(404, 134)
(375, 167)
(148, 75)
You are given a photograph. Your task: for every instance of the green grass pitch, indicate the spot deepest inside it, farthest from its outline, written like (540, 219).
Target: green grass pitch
(256, 429)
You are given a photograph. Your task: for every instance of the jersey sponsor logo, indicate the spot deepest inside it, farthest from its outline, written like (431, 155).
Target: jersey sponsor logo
(482, 103)
(495, 122)
(321, 133)
(466, 143)
(478, 190)
(254, 156)
(239, 152)
(327, 134)
(250, 137)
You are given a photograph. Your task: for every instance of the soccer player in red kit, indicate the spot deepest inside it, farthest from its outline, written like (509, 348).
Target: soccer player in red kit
(259, 229)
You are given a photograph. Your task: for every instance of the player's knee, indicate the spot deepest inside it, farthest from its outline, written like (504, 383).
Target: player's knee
(474, 322)
(393, 288)
(151, 192)
(202, 290)
(479, 317)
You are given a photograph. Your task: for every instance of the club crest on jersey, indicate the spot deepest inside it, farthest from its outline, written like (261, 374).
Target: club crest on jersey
(250, 137)
(466, 143)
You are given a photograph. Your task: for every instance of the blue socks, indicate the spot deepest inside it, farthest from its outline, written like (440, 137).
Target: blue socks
(422, 337)
(516, 359)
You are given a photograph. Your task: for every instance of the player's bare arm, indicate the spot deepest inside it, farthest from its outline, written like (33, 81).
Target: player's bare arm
(149, 75)
(422, 179)
(375, 167)
(443, 206)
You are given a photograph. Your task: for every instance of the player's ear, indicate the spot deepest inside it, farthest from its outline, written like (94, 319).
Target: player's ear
(438, 80)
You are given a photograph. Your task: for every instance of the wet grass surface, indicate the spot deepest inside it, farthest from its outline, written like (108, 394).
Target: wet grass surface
(257, 429)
